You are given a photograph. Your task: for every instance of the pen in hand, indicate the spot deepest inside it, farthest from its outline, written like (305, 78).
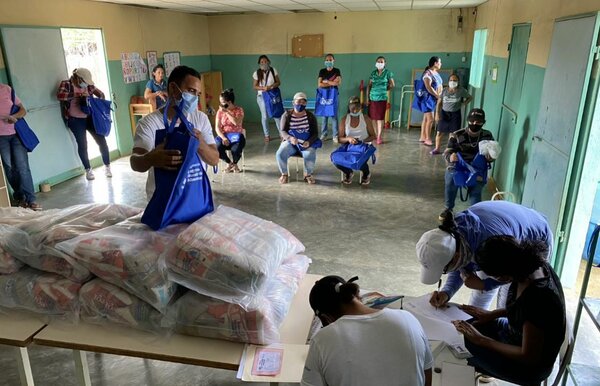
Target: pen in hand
(438, 290)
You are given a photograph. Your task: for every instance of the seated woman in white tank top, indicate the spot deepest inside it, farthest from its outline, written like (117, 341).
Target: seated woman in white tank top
(354, 128)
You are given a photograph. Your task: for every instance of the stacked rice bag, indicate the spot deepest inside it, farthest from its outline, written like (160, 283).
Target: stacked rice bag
(201, 315)
(39, 292)
(101, 301)
(54, 226)
(229, 255)
(126, 254)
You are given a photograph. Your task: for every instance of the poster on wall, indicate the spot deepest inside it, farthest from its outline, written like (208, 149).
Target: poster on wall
(171, 61)
(134, 68)
(152, 61)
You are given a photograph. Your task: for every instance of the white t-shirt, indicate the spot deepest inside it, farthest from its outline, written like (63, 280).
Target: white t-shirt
(267, 80)
(145, 135)
(388, 347)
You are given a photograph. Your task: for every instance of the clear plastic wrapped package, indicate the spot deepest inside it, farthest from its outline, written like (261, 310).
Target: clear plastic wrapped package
(105, 303)
(11, 238)
(39, 292)
(490, 149)
(200, 315)
(17, 216)
(63, 224)
(126, 255)
(229, 254)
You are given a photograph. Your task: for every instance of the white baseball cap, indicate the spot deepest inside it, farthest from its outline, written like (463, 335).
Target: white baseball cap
(435, 249)
(84, 74)
(299, 95)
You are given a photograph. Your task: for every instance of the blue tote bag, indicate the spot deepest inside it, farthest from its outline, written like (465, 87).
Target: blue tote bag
(353, 156)
(26, 135)
(466, 174)
(273, 102)
(100, 111)
(326, 103)
(181, 196)
(423, 100)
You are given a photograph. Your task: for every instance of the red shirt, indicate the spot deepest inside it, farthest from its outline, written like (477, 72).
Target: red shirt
(227, 125)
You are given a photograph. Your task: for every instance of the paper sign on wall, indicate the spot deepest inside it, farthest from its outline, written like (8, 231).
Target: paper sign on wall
(134, 68)
(152, 61)
(172, 60)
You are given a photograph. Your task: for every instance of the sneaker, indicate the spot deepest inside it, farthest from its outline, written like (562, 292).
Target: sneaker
(323, 138)
(34, 206)
(335, 139)
(89, 175)
(310, 179)
(348, 178)
(107, 171)
(435, 151)
(366, 180)
(379, 141)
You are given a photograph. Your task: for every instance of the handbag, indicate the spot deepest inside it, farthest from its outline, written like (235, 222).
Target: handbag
(326, 102)
(181, 196)
(100, 111)
(26, 135)
(231, 137)
(273, 102)
(423, 100)
(354, 156)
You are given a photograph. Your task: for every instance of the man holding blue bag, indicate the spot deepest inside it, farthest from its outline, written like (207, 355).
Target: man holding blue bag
(172, 144)
(467, 167)
(12, 150)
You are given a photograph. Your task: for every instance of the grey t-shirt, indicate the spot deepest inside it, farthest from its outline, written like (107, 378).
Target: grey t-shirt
(452, 101)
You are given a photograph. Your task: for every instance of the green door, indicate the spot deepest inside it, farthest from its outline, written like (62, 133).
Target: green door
(509, 134)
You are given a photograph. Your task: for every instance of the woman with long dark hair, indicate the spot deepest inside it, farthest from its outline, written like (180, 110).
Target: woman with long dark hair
(518, 343)
(265, 79)
(380, 82)
(434, 85)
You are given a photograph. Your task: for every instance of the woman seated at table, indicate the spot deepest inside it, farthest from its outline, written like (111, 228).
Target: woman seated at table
(355, 128)
(300, 133)
(230, 133)
(520, 343)
(359, 345)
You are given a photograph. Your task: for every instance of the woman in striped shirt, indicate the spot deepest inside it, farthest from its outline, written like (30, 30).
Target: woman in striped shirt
(300, 133)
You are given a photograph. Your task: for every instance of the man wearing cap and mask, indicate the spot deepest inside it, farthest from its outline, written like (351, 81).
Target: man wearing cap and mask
(183, 87)
(451, 248)
(72, 94)
(466, 143)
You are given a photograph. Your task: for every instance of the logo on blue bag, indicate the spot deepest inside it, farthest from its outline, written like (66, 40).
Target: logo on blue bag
(326, 102)
(195, 173)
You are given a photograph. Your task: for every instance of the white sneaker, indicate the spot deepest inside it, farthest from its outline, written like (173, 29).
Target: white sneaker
(335, 139)
(107, 171)
(89, 174)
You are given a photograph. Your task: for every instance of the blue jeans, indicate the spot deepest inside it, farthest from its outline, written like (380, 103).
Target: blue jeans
(286, 150)
(334, 126)
(492, 363)
(16, 167)
(79, 127)
(264, 117)
(451, 190)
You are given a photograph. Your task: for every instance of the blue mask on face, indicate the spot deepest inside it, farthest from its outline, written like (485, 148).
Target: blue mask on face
(188, 102)
(83, 85)
(328, 64)
(299, 108)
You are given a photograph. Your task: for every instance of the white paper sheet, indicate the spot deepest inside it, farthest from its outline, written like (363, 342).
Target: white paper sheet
(447, 313)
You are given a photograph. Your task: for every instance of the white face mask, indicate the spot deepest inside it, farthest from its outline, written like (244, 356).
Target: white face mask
(453, 84)
(380, 66)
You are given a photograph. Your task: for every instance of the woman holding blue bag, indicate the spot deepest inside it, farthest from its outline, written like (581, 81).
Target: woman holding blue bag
(355, 128)
(230, 133)
(427, 92)
(266, 78)
(328, 82)
(14, 154)
(300, 133)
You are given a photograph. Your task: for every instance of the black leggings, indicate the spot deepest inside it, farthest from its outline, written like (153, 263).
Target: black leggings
(236, 150)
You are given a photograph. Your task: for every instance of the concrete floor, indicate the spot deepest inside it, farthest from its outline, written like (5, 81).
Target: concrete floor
(347, 230)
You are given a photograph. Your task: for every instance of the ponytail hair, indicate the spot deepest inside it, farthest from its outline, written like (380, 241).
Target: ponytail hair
(433, 60)
(331, 292)
(506, 256)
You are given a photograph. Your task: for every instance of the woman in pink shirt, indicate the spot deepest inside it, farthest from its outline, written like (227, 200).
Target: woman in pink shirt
(14, 155)
(230, 133)
(72, 94)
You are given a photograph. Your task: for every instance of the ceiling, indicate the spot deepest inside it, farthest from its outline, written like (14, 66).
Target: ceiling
(215, 7)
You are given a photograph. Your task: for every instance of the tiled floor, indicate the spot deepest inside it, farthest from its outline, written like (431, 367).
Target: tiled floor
(348, 230)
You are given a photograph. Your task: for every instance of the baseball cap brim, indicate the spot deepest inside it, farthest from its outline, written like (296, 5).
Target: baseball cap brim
(431, 275)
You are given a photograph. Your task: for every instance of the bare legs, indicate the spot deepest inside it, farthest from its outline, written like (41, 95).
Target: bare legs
(426, 129)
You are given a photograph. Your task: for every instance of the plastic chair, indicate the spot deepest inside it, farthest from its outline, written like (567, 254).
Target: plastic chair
(221, 167)
(298, 157)
(509, 196)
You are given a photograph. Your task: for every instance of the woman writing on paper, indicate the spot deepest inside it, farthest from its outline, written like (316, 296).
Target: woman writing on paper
(518, 343)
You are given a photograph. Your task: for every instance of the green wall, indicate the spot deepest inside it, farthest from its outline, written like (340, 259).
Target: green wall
(300, 74)
(511, 167)
(3, 76)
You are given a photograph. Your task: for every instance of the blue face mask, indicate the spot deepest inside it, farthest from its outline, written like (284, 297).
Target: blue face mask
(299, 108)
(356, 114)
(328, 64)
(83, 85)
(188, 102)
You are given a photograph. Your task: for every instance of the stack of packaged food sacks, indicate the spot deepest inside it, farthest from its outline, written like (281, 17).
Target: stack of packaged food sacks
(229, 275)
